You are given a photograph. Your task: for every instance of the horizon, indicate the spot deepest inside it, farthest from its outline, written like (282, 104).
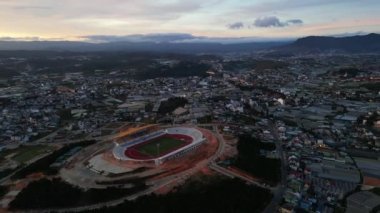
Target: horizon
(195, 20)
(177, 38)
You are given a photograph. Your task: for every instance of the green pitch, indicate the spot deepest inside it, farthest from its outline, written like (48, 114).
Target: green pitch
(165, 145)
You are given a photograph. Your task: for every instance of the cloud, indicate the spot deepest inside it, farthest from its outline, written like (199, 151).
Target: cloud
(270, 21)
(206, 18)
(157, 37)
(7, 38)
(294, 5)
(236, 26)
(26, 7)
(111, 9)
(273, 21)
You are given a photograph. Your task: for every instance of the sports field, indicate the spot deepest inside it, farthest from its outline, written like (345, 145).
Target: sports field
(160, 146)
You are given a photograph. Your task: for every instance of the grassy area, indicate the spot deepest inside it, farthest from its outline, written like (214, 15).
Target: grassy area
(43, 164)
(162, 145)
(30, 152)
(26, 153)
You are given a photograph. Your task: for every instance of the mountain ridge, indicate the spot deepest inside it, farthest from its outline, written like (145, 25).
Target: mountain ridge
(369, 43)
(350, 44)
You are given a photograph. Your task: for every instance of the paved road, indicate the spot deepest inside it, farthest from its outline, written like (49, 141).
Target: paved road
(120, 200)
(278, 194)
(7, 179)
(100, 205)
(221, 146)
(155, 185)
(232, 174)
(225, 171)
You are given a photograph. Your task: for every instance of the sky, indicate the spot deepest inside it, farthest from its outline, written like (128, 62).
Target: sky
(99, 20)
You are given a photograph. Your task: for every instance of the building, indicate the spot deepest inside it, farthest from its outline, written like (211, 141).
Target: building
(362, 202)
(128, 150)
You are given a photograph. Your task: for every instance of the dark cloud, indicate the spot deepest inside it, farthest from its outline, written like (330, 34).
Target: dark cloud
(270, 21)
(273, 21)
(236, 26)
(294, 21)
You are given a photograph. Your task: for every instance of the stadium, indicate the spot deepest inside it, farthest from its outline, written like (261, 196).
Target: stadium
(159, 146)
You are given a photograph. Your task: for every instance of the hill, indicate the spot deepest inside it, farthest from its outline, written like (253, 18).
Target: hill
(320, 44)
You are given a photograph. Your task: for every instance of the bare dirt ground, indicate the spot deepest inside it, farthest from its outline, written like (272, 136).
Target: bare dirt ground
(171, 173)
(191, 159)
(371, 181)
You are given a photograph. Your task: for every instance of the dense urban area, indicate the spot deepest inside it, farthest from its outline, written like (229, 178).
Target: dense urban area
(297, 133)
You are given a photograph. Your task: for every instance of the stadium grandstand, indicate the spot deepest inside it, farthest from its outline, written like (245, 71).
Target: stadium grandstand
(159, 146)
